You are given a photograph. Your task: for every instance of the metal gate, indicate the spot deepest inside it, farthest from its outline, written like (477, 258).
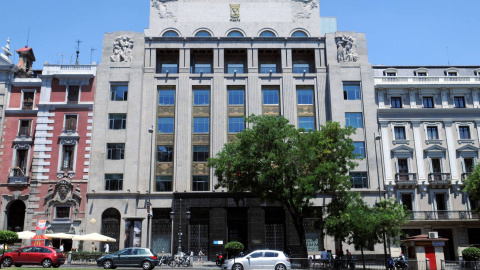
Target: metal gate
(161, 235)
(198, 238)
(275, 236)
(111, 226)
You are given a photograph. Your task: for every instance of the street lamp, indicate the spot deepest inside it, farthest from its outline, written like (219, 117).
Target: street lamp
(149, 205)
(378, 138)
(172, 216)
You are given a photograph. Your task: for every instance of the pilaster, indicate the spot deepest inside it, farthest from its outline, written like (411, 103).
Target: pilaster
(452, 158)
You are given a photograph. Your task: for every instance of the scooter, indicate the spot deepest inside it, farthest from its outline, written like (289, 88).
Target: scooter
(220, 259)
(401, 263)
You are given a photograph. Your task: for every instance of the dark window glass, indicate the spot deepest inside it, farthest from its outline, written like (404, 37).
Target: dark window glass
(459, 102)
(68, 154)
(407, 201)
(71, 122)
(113, 182)
(170, 34)
(201, 125)
(464, 132)
(428, 102)
(359, 149)
(236, 124)
(165, 125)
(305, 97)
(166, 97)
(270, 97)
(62, 212)
(200, 153)
(308, 123)
(235, 34)
(203, 34)
(359, 179)
(24, 129)
(27, 100)
(117, 121)
(236, 97)
(201, 97)
(200, 183)
(421, 74)
(399, 133)
(432, 133)
(396, 102)
(351, 91)
(354, 120)
(118, 92)
(73, 94)
(468, 162)
(391, 74)
(115, 151)
(452, 74)
(267, 34)
(163, 183)
(164, 153)
(299, 34)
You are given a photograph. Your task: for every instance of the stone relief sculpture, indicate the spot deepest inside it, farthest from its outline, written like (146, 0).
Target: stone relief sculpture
(345, 49)
(163, 10)
(306, 9)
(122, 49)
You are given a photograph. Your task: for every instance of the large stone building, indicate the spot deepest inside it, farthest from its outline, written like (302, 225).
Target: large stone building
(429, 121)
(172, 96)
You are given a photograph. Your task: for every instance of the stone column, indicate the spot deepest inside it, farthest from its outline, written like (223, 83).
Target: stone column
(452, 157)
(386, 151)
(417, 140)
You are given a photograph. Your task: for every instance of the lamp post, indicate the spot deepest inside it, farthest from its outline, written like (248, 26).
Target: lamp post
(172, 216)
(378, 138)
(149, 205)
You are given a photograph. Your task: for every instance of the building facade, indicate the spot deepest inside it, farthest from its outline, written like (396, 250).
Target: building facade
(429, 124)
(46, 145)
(169, 98)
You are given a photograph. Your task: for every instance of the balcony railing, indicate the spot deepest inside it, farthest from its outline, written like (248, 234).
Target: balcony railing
(24, 132)
(27, 105)
(300, 68)
(202, 68)
(427, 79)
(442, 215)
(169, 68)
(267, 68)
(439, 177)
(405, 177)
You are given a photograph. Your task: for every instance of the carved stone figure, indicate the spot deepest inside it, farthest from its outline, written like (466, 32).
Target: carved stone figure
(345, 49)
(122, 49)
(162, 10)
(6, 49)
(306, 9)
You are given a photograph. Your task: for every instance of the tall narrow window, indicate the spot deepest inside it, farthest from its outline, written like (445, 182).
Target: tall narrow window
(270, 97)
(396, 102)
(166, 97)
(67, 160)
(459, 102)
(27, 100)
(432, 133)
(201, 97)
(119, 92)
(71, 122)
(354, 120)
(359, 149)
(403, 169)
(113, 182)
(441, 201)
(200, 153)
(20, 168)
(468, 163)
(115, 151)
(399, 133)
(73, 93)
(164, 153)
(305, 97)
(201, 125)
(351, 91)
(163, 183)
(407, 201)
(200, 183)
(117, 121)
(428, 102)
(464, 132)
(24, 129)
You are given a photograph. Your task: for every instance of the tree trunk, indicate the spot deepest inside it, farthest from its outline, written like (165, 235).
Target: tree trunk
(298, 223)
(363, 257)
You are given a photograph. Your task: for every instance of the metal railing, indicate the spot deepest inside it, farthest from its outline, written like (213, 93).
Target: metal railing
(27, 105)
(439, 177)
(309, 263)
(169, 68)
(405, 177)
(202, 69)
(267, 68)
(24, 132)
(426, 79)
(442, 215)
(447, 265)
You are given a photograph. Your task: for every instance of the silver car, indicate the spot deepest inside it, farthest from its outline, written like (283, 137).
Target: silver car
(259, 259)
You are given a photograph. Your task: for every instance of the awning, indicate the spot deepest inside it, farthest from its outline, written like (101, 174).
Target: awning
(25, 235)
(96, 237)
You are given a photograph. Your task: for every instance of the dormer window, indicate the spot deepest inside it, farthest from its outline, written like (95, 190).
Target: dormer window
(391, 74)
(451, 73)
(73, 93)
(421, 74)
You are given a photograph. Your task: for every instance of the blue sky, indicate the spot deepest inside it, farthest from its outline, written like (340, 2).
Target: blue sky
(399, 32)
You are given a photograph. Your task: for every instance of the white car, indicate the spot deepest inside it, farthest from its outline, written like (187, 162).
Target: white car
(259, 259)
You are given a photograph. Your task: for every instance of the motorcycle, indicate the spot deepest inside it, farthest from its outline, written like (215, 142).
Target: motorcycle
(401, 263)
(391, 264)
(182, 260)
(220, 259)
(164, 260)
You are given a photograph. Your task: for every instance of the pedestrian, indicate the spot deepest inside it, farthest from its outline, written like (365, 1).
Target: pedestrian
(324, 257)
(61, 248)
(200, 254)
(330, 258)
(50, 244)
(94, 248)
(107, 248)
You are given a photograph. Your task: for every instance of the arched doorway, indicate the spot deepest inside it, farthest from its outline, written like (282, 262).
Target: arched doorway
(16, 216)
(111, 227)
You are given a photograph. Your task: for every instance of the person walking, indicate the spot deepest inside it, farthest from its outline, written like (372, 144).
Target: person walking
(107, 248)
(200, 254)
(61, 248)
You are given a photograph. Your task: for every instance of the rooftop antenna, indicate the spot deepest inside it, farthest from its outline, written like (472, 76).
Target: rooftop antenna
(91, 53)
(448, 57)
(28, 36)
(62, 56)
(71, 58)
(78, 49)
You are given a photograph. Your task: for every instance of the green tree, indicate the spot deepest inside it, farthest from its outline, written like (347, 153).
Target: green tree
(7, 238)
(472, 187)
(234, 248)
(277, 162)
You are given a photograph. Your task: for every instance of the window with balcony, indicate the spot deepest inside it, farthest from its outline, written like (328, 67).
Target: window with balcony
(201, 125)
(200, 153)
(235, 61)
(396, 102)
(236, 97)
(73, 94)
(303, 61)
(306, 122)
(403, 169)
(163, 183)
(20, 168)
(354, 119)
(24, 128)
(113, 182)
(270, 97)
(359, 179)
(468, 164)
(71, 122)
(359, 151)
(236, 124)
(115, 151)
(117, 121)
(305, 97)
(167, 61)
(407, 201)
(164, 153)
(67, 159)
(62, 212)
(399, 133)
(201, 61)
(119, 92)
(428, 102)
(201, 97)
(441, 202)
(464, 132)
(269, 61)
(165, 125)
(27, 103)
(200, 183)
(436, 172)
(432, 133)
(351, 91)
(459, 102)
(166, 97)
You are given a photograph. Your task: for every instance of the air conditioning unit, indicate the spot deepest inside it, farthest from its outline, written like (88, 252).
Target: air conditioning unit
(433, 235)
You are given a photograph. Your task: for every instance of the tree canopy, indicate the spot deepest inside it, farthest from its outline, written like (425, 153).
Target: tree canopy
(472, 187)
(7, 238)
(277, 162)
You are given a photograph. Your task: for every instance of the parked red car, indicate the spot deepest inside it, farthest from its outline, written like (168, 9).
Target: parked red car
(32, 255)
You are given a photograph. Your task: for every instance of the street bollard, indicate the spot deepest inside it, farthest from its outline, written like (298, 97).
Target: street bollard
(428, 264)
(442, 264)
(69, 258)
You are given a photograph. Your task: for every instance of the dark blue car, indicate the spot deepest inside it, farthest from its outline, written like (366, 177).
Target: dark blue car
(129, 257)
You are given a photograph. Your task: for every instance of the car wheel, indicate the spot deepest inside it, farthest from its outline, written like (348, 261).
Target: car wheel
(237, 266)
(280, 266)
(46, 263)
(107, 264)
(56, 265)
(7, 262)
(146, 265)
